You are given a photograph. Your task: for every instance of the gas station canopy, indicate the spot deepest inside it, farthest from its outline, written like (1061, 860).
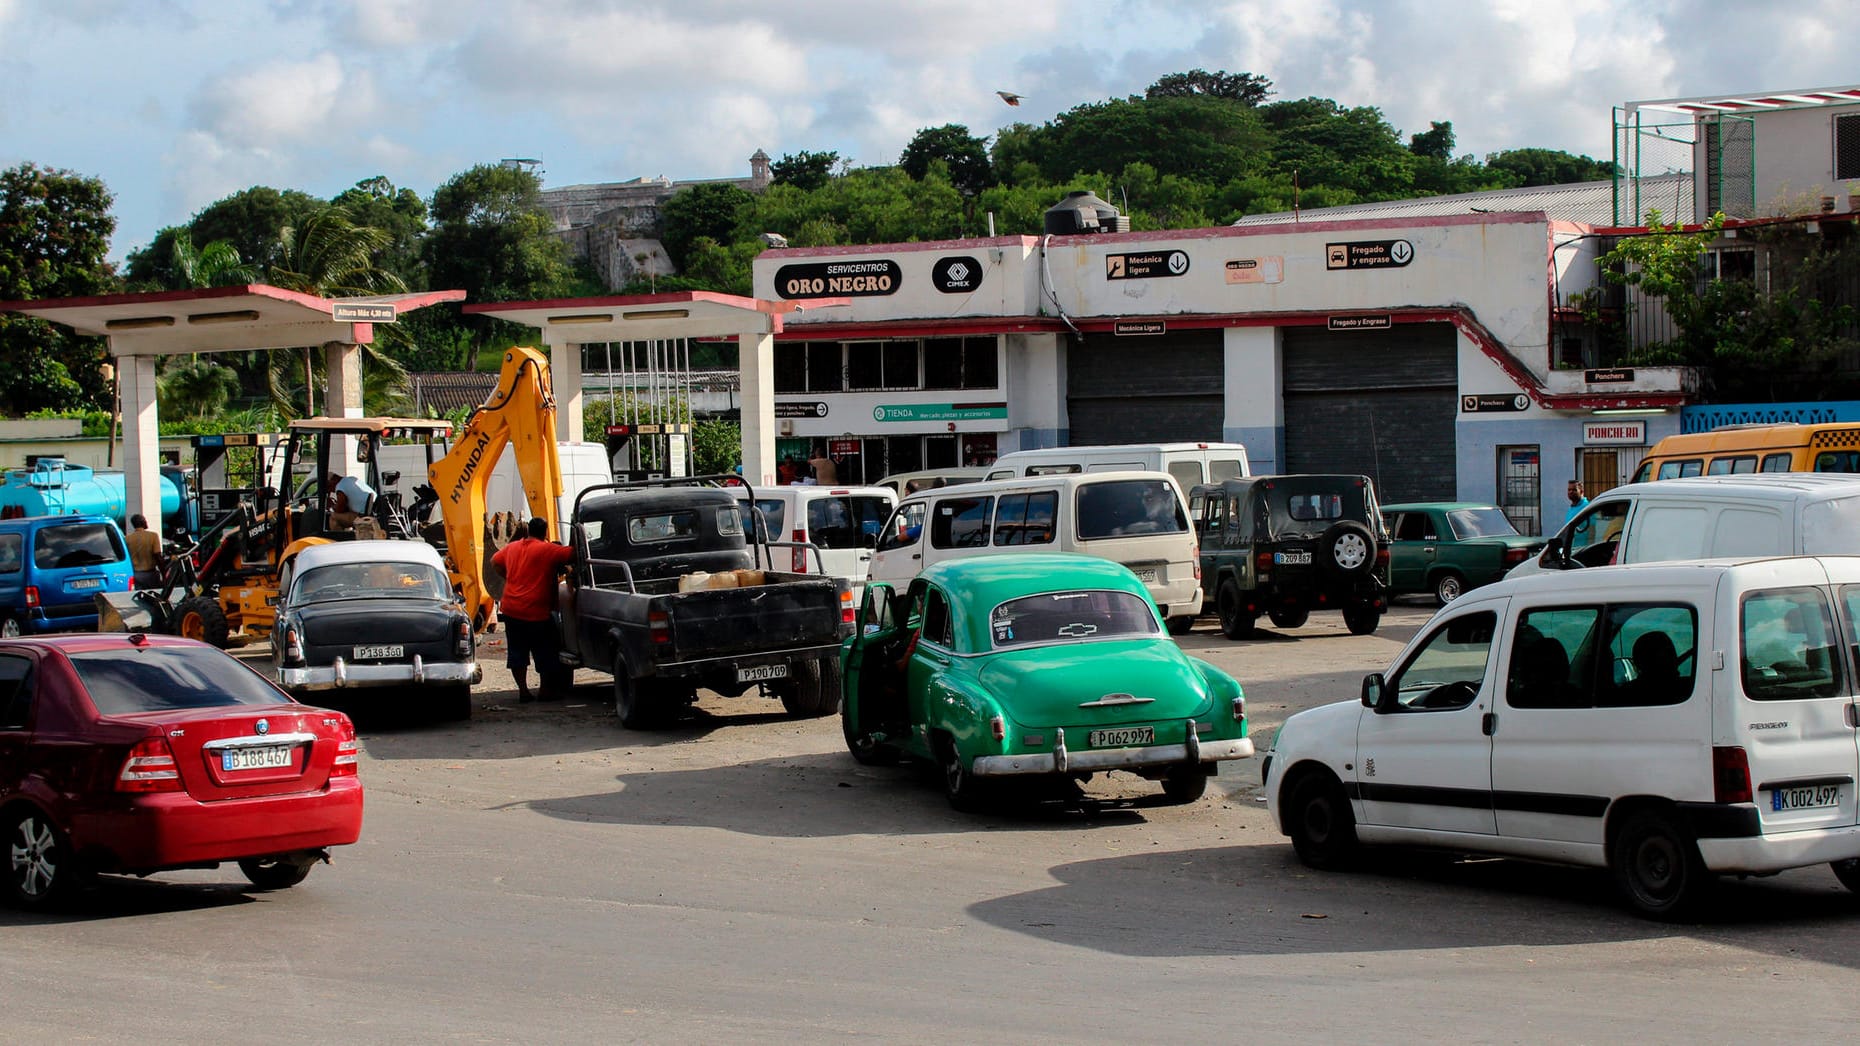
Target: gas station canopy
(219, 319)
(646, 317)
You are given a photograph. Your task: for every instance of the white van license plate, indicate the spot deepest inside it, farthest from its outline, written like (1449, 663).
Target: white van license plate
(1147, 575)
(1129, 735)
(757, 673)
(1292, 559)
(1809, 798)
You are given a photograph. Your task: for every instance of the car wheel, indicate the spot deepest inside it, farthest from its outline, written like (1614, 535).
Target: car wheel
(1348, 548)
(1181, 624)
(275, 873)
(1236, 623)
(636, 709)
(9, 627)
(1848, 872)
(202, 618)
(1185, 784)
(1448, 587)
(1362, 621)
(1318, 818)
(40, 871)
(960, 784)
(813, 688)
(1657, 866)
(1289, 618)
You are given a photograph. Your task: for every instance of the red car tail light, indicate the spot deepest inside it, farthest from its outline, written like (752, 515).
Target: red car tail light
(1514, 556)
(347, 750)
(1382, 556)
(32, 595)
(1262, 564)
(800, 554)
(149, 768)
(132, 583)
(997, 727)
(463, 645)
(293, 646)
(659, 624)
(848, 614)
(1730, 774)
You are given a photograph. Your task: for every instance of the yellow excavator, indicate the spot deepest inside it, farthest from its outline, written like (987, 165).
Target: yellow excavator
(519, 414)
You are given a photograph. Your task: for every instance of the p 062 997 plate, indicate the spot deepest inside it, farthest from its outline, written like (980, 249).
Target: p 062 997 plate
(1122, 736)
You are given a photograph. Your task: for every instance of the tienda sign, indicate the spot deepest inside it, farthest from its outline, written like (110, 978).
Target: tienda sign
(1614, 433)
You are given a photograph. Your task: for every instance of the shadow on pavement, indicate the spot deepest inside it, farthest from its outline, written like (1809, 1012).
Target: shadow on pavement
(812, 796)
(1258, 900)
(124, 897)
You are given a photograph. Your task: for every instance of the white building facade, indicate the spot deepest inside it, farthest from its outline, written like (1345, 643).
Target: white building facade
(1415, 350)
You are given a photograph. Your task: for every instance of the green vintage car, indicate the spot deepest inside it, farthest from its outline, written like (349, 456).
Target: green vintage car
(1448, 548)
(1054, 665)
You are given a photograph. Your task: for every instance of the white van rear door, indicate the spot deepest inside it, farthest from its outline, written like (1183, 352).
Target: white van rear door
(1794, 703)
(1831, 528)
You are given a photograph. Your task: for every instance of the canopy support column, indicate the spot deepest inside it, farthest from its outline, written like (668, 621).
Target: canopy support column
(756, 361)
(141, 437)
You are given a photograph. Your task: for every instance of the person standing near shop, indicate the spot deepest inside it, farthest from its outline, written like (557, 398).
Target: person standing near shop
(144, 552)
(826, 473)
(529, 566)
(1577, 500)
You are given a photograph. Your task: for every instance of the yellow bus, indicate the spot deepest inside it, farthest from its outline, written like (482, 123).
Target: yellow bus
(1829, 447)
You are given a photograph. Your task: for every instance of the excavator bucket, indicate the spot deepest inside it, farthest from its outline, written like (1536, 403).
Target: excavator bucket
(124, 612)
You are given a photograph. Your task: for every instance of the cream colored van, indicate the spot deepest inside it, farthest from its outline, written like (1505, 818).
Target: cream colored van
(1139, 519)
(1192, 464)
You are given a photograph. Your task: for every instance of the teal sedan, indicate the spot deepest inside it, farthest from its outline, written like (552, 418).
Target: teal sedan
(997, 667)
(1448, 548)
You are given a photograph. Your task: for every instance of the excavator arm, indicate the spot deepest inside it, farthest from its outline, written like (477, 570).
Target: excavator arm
(520, 414)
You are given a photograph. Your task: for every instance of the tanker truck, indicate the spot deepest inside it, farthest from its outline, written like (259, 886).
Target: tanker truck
(52, 487)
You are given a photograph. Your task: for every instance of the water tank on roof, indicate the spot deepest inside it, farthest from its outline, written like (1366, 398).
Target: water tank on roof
(1083, 212)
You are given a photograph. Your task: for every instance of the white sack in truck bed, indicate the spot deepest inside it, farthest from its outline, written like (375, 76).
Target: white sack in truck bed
(721, 579)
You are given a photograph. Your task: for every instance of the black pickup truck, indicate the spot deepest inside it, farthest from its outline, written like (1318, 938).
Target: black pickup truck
(622, 611)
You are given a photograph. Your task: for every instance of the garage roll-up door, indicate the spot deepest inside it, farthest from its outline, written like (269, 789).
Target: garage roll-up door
(1382, 403)
(1144, 389)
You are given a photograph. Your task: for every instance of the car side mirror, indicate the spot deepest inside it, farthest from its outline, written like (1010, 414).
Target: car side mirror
(271, 601)
(869, 541)
(1373, 684)
(1556, 555)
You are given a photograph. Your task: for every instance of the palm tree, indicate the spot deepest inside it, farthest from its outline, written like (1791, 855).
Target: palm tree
(215, 265)
(329, 256)
(197, 388)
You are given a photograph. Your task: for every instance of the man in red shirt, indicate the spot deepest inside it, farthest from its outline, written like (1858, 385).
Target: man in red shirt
(530, 565)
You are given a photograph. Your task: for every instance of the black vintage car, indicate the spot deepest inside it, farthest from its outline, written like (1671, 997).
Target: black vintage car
(376, 618)
(1284, 546)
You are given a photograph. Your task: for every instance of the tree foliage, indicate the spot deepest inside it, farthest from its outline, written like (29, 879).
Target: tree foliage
(1523, 167)
(709, 210)
(804, 170)
(1245, 88)
(964, 156)
(55, 229)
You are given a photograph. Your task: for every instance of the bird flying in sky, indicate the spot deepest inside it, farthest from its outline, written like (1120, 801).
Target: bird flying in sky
(1009, 97)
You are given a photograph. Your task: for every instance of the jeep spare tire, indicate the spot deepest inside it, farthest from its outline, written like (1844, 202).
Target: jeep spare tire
(1348, 548)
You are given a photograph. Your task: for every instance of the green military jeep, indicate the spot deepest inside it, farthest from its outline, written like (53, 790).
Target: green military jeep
(1284, 546)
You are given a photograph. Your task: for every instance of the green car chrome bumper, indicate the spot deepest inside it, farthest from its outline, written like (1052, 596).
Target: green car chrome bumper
(1061, 761)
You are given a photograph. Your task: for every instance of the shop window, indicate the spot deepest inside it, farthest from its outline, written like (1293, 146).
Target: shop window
(865, 365)
(960, 363)
(823, 367)
(1846, 147)
(791, 367)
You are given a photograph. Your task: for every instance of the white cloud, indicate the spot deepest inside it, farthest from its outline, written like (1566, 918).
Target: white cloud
(277, 104)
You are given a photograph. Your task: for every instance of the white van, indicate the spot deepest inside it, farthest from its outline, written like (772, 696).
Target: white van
(1668, 721)
(1703, 517)
(584, 465)
(1192, 464)
(843, 522)
(1139, 519)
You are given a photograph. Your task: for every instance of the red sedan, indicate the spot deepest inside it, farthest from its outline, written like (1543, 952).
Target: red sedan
(141, 753)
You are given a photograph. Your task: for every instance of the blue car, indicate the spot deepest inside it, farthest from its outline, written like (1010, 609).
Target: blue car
(51, 569)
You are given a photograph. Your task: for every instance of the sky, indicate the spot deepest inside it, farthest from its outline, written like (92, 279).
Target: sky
(177, 103)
